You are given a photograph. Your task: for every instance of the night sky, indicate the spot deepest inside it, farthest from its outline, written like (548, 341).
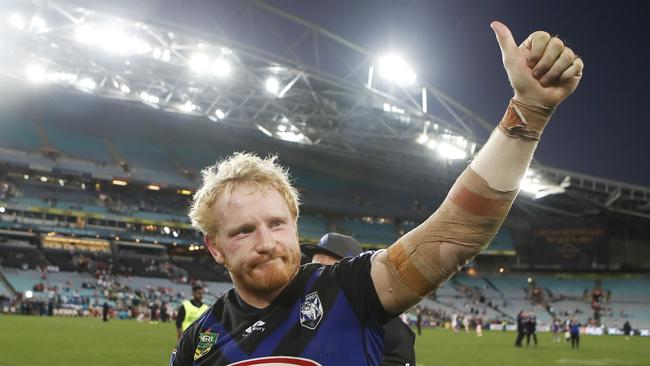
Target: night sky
(601, 130)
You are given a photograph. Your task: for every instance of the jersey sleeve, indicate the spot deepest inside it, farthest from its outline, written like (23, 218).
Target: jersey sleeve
(353, 275)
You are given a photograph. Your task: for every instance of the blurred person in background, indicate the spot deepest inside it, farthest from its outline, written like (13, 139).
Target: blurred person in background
(190, 310)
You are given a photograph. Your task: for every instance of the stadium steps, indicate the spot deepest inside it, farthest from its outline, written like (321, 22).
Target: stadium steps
(5, 286)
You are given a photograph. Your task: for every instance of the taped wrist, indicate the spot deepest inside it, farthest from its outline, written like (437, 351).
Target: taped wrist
(524, 121)
(462, 226)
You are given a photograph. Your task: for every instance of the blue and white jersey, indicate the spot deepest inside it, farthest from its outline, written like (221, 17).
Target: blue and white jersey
(327, 315)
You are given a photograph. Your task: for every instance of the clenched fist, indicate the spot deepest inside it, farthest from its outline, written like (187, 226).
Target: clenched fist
(542, 70)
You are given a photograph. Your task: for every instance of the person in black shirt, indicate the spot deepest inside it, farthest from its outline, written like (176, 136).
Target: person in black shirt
(521, 328)
(398, 337)
(531, 329)
(282, 313)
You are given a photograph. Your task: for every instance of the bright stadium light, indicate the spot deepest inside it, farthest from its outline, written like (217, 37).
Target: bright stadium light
(37, 24)
(219, 114)
(272, 85)
(2, 209)
(422, 139)
(87, 84)
(149, 98)
(59, 77)
(17, 21)
(166, 230)
(111, 40)
(394, 68)
(188, 107)
(29, 294)
(534, 184)
(290, 136)
(432, 144)
(35, 73)
(200, 63)
(85, 33)
(221, 67)
(125, 89)
(451, 152)
(166, 55)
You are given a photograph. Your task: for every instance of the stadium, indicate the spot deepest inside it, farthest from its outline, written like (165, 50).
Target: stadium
(109, 117)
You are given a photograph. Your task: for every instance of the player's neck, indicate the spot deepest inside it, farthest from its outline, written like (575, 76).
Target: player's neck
(259, 300)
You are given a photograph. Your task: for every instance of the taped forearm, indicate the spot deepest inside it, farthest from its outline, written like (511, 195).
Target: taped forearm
(473, 211)
(462, 226)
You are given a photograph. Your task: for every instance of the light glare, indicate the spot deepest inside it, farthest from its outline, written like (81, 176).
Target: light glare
(272, 85)
(394, 68)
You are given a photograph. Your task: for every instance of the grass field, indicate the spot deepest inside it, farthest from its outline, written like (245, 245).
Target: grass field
(63, 341)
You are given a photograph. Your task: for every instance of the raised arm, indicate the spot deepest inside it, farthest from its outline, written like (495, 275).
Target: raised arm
(542, 72)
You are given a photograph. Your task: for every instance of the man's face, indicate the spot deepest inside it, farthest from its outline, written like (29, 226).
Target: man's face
(257, 239)
(197, 295)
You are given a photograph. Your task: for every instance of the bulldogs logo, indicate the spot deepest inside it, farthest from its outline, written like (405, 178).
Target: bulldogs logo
(311, 311)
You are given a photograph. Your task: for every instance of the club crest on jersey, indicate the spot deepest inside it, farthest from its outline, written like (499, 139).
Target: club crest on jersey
(207, 339)
(311, 311)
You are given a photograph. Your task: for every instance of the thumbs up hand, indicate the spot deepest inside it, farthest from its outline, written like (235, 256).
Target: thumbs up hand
(542, 70)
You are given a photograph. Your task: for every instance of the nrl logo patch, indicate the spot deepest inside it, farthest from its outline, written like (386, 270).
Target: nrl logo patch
(311, 311)
(207, 339)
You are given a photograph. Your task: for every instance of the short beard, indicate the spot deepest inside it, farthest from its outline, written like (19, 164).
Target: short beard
(262, 283)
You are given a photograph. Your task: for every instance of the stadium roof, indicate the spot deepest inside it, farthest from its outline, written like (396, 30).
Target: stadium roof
(297, 82)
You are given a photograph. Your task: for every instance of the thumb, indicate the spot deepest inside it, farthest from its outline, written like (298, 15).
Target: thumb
(506, 42)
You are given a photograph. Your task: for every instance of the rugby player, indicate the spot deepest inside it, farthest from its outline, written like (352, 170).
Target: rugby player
(281, 313)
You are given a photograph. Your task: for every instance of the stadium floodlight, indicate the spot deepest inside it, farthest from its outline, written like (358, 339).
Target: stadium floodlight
(290, 136)
(432, 144)
(25, 177)
(200, 63)
(166, 230)
(44, 179)
(87, 84)
(175, 234)
(125, 89)
(37, 24)
(153, 187)
(17, 21)
(534, 184)
(188, 107)
(35, 73)
(219, 114)
(29, 294)
(394, 68)
(149, 98)
(422, 139)
(61, 182)
(272, 85)
(221, 67)
(2, 209)
(59, 77)
(166, 55)
(119, 182)
(451, 152)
